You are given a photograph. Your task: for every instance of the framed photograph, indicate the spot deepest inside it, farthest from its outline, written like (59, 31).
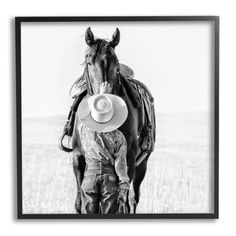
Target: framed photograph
(117, 117)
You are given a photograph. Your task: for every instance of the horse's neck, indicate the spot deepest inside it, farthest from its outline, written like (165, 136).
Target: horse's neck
(121, 92)
(118, 89)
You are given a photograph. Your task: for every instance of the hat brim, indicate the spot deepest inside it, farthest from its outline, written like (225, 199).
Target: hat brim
(118, 118)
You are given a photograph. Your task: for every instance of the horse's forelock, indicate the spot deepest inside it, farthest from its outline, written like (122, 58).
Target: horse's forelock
(99, 48)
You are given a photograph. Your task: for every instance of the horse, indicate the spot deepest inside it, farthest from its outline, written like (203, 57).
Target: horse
(102, 65)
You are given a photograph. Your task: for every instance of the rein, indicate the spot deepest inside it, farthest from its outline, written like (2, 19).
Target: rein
(88, 81)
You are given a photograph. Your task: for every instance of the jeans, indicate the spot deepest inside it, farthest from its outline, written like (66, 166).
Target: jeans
(99, 191)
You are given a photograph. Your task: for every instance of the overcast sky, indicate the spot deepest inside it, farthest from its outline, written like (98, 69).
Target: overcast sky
(173, 59)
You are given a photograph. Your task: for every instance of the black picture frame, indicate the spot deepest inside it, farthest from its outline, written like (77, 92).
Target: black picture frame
(19, 20)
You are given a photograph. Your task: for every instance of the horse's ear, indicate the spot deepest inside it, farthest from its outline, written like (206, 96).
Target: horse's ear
(89, 38)
(115, 38)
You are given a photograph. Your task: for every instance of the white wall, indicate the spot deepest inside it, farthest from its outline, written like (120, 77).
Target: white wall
(226, 223)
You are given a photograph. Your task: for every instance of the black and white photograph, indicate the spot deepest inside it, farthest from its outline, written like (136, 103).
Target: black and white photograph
(117, 117)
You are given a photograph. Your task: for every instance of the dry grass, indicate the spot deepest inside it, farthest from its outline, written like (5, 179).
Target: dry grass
(179, 173)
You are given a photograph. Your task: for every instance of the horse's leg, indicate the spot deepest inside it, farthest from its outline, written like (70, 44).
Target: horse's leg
(131, 161)
(138, 178)
(78, 167)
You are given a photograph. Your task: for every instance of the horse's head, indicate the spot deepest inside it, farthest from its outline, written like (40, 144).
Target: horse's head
(101, 62)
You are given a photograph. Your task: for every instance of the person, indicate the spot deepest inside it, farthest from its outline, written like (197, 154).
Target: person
(106, 183)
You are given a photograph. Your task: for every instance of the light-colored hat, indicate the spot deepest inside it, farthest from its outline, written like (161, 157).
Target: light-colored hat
(103, 112)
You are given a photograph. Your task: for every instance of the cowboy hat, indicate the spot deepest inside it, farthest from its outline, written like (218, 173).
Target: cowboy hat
(103, 112)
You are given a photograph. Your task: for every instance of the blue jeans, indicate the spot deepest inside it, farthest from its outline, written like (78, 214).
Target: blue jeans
(99, 191)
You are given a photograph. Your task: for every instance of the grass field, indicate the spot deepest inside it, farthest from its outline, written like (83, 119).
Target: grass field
(179, 177)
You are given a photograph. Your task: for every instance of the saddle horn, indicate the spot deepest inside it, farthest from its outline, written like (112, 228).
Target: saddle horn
(115, 38)
(89, 38)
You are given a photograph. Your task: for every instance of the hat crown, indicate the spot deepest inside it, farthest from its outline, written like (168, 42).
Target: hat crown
(102, 104)
(101, 108)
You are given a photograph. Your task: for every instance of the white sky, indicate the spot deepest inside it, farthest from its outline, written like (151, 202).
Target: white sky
(174, 59)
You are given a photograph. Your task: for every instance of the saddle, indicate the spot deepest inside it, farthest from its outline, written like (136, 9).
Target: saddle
(140, 97)
(147, 122)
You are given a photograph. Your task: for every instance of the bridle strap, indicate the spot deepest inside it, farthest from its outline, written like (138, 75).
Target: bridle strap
(88, 81)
